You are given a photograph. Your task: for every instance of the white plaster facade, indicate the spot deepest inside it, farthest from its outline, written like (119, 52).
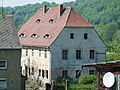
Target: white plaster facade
(54, 63)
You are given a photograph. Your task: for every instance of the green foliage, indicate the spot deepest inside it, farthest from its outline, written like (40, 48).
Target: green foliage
(113, 51)
(87, 79)
(59, 84)
(108, 31)
(116, 37)
(83, 87)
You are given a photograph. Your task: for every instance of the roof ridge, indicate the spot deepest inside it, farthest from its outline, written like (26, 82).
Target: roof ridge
(68, 16)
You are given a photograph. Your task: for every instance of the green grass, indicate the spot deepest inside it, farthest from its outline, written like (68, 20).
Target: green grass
(79, 86)
(83, 87)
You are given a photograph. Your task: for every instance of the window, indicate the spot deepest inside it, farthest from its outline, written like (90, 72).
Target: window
(26, 52)
(85, 36)
(64, 73)
(42, 73)
(45, 53)
(78, 54)
(92, 53)
(32, 52)
(29, 70)
(3, 83)
(71, 35)
(22, 35)
(38, 21)
(39, 53)
(47, 36)
(32, 71)
(92, 72)
(3, 65)
(26, 70)
(78, 73)
(46, 74)
(52, 21)
(34, 35)
(64, 54)
(39, 72)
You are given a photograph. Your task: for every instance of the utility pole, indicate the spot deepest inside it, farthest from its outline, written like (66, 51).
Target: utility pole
(2, 8)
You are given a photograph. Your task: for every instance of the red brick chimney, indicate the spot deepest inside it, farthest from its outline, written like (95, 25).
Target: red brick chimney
(44, 9)
(60, 10)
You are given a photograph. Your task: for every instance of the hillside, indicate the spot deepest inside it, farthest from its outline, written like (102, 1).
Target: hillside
(104, 14)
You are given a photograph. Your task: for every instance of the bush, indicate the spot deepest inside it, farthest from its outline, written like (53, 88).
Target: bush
(60, 84)
(87, 79)
(83, 87)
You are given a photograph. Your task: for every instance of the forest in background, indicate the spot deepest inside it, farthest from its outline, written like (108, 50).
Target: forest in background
(104, 14)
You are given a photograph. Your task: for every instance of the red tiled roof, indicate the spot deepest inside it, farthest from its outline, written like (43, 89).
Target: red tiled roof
(69, 18)
(76, 20)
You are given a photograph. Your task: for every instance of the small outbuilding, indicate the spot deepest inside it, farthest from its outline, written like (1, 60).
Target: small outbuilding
(104, 67)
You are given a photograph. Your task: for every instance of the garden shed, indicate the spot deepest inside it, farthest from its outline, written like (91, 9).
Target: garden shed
(104, 67)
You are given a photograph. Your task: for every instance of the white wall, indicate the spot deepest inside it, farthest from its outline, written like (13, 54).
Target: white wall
(36, 61)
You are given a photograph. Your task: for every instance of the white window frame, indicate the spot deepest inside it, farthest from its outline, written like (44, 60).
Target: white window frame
(5, 86)
(5, 64)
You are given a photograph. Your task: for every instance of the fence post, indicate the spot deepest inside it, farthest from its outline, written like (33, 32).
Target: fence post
(67, 85)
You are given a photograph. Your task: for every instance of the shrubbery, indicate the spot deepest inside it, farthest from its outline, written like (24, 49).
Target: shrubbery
(87, 79)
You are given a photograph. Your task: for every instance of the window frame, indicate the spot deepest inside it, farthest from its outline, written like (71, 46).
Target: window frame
(39, 53)
(5, 67)
(26, 52)
(5, 86)
(46, 73)
(78, 75)
(64, 54)
(92, 54)
(91, 72)
(32, 70)
(85, 36)
(32, 52)
(63, 73)
(78, 54)
(45, 53)
(72, 35)
(43, 73)
(39, 72)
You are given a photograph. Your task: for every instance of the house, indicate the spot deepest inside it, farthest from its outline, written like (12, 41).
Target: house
(10, 55)
(56, 42)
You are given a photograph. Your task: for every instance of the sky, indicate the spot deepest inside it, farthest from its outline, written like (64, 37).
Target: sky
(13, 3)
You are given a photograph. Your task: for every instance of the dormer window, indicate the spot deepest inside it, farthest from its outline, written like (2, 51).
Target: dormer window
(47, 36)
(38, 21)
(52, 21)
(34, 35)
(22, 35)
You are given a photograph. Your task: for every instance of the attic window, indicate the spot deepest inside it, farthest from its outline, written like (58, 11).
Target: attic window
(22, 35)
(34, 35)
(38, 21)
(47, 36)
(52, 21)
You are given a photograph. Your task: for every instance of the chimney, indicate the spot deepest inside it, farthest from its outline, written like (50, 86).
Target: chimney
(60, 10)
(44, 9)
